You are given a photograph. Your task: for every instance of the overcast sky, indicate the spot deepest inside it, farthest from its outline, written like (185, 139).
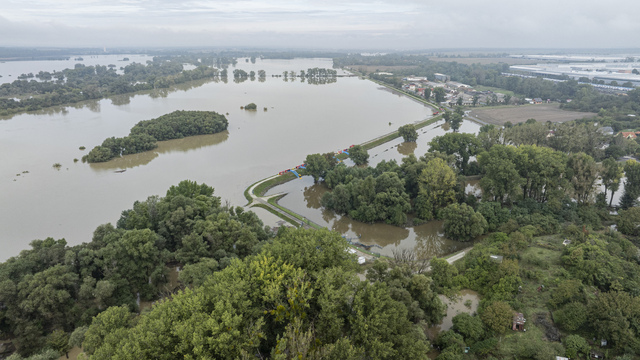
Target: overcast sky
(332, 24)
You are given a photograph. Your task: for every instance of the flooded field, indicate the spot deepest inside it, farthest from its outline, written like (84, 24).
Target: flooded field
(11, 70)
(39, 200)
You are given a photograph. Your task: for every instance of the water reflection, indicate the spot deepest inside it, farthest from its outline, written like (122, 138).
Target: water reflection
(122, 99)
(183, 145)
(428, 240)
(407, 148)
(313, 195)
(466, 302)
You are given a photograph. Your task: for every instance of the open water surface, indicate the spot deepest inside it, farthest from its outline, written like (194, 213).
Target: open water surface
(38, 201)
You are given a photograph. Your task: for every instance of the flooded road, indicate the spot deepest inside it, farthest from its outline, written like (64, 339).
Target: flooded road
(38, 201)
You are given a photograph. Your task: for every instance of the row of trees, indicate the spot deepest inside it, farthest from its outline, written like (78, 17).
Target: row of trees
(145, 134)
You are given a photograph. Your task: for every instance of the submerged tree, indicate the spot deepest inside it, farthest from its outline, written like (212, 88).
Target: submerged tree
(408, 133)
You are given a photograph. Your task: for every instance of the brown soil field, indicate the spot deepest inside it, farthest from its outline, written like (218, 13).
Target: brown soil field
(516, 114)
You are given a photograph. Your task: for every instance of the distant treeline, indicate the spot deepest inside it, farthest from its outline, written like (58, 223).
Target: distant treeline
(145, 134)
(19, 53)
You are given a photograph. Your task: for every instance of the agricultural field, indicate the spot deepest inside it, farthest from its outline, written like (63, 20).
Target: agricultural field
(516, 114)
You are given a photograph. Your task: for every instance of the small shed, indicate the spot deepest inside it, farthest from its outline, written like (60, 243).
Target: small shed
(518, 322)
(566, 242)
(496, 258)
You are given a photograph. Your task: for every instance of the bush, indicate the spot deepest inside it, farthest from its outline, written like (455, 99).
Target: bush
(462, 223)
(629, 221)
(571, 317)
(250, 106)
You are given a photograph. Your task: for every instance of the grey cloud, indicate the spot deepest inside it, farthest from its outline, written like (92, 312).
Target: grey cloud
(385, 24)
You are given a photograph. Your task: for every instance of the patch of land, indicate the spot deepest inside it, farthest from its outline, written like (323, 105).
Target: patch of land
(489, 60)
(381, 68)
(516, 114)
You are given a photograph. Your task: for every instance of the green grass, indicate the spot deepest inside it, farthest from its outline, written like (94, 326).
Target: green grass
(372, 144)
(274, 201)
(275, 213)
(540, 264)
(261, 189)
(246, 192)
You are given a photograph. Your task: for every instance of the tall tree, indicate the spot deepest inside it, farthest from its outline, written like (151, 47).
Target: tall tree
(358, 154)
(502, 180)
(632, 184)
(408, 133)
(463, 146)
(317, 166)
(437, 183)
(611, 174)
(582, 172)
(439, 94)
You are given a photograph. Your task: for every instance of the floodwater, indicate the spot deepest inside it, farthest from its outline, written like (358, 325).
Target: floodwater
(39, 201)
(10, 70)
(466, 301)
(303, 197)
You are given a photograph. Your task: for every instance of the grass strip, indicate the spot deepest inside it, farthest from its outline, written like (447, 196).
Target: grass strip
(274, 201)
(246, 192)
(261, 189)
(413, 96)
(276, 214)
(377, 142)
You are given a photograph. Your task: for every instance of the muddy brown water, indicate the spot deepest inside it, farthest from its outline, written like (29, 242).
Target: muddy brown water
(466, 301)
(37, 201)
(303, 197)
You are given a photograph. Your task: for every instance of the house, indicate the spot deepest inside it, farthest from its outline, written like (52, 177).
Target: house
(629, 134)
(441, 77)
(518, 322)
(606, 130)
(537, 101)
(496, 258)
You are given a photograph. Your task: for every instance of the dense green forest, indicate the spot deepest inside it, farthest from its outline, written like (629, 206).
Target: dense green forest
(247, 291)
(94, 82)
(613, 110)
(537, 191)
(545, 178)
(146, 133)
